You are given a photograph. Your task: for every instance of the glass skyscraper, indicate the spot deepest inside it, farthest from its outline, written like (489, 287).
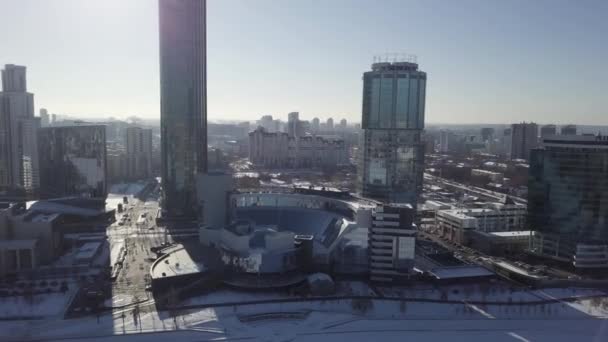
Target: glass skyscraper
(391, 159)
(568, 200)
(78, 155)
(183, 103)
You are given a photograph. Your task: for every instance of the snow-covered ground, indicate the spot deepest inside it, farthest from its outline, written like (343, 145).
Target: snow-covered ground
(50, 305)
(229, 296)
(118, 191)
(117, 247)
(499, 292)
(126, 188)
(331, 320)
(113, 200)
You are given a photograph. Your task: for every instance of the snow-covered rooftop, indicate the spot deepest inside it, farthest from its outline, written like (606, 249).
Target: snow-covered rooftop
(178, 262)
(466, 271)
(519, 233)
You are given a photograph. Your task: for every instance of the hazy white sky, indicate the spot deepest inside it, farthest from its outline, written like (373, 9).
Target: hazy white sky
(487, 61)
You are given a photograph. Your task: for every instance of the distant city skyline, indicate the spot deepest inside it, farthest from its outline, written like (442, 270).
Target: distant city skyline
(487, 62)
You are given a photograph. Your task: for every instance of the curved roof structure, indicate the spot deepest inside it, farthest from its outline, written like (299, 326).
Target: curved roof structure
(323, 225)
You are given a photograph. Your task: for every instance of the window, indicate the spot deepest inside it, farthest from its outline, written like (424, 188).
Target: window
(386, 103)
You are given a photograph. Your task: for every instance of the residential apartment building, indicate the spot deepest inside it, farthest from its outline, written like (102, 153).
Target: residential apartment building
(280, 150)
(524, 137)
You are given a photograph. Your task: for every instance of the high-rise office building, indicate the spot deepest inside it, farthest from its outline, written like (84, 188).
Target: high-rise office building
(330, 124)
(268, 123)
(14, 79)
(139, 152)
(487, 133)
(568, 130)
(117, 165)
(391, 159)
(448, 141)
(293, 116)
(18, 126)
(183, 103)
(524, 137)
(343, 124)
(295, 127)
(567, 197)
(504, 142)
(78, 154)
(548, 130)
(315, 125)
(44, 118)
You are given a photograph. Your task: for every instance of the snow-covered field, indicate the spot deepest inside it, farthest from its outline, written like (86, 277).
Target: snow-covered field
(331, 320)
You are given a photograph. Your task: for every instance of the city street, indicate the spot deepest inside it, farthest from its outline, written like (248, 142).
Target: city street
(138, 235)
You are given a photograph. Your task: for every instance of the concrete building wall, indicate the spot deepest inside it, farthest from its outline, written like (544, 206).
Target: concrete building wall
(213, 191)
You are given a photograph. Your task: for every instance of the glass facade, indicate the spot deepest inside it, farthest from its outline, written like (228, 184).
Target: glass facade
(394, 98)
(392, 165)
(78, 153)
(391, 159)
(183, 103)
(568, 194)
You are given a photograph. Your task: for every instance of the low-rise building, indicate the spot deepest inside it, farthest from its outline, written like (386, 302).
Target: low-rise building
(503, 216)
(18, 255)
(492, 176)
(27, 238)
(34, 235)
(453, 224)
(500, 243)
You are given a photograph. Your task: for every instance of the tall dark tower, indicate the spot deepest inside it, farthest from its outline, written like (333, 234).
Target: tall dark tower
(391, 156)
(183, 102)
